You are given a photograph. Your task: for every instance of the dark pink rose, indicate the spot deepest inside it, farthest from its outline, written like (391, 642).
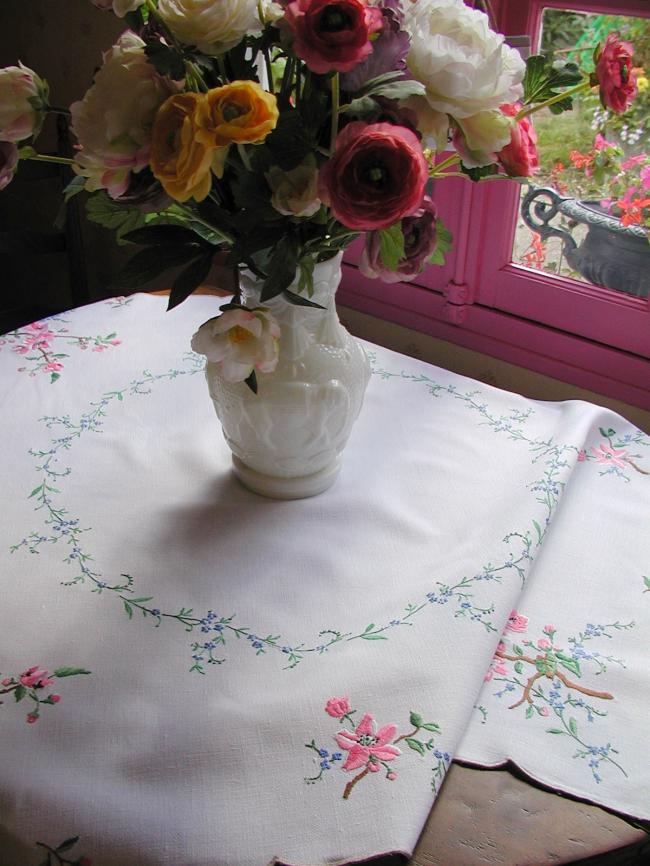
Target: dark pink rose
(614, 73)
(519, 158)
(337, 707)
(376, 175)
(8, 162)
(332, 36)
(420, 241)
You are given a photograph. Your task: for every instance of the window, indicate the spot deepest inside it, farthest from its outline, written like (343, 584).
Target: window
(568, 328)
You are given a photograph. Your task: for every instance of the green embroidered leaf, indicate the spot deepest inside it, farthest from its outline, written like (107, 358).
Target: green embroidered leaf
(573, 727)
(369, 627)
(607, 433)
(646, 580)
(539, 530)
(128, 609)
(69, 672)
(67, 844)
(519, 668)
(416, 720)
(555, 731)
(141, 600)
(530, 711)
(35, 491)
(517, 650)
(416, 745)
(569, 663)
(391, 246)
(374, 637)
(431, 726)
(19, 693)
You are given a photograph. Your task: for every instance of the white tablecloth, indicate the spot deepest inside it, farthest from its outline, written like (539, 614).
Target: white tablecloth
(193, 675)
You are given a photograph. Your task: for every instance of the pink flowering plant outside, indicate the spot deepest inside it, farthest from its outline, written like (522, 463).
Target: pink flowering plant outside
(276, 133)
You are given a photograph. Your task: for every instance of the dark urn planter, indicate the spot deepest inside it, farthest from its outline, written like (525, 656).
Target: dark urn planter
(611, 255)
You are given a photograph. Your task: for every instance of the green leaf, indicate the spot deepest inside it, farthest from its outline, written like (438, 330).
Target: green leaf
(538, 529)
(369, 627)
(158, 235)
(374, 637)
(373, 84)
(128, 608)
(568, 662)
(416, 720)
(306, 270)
(555, 731)
(69, 672)
(416, 745)
(26, 151)
(517, 650)
(299, 301)
(519, 668)
(120, 218)
(189, 279)
(165, 60)
(530, 710)
(444, 242)
(282, 267)
(607, 433)
(75, 186)
(543, 78)
(19, 693)
(400, 89)
(151, 262)
(67, 844)
(573, 727)
(35, 491)
(141, 600)
(431, 726)
(391, 246)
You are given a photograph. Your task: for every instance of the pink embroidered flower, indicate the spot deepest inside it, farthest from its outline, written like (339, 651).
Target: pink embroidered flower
(21, 350)
(614, 73)
(7, 681)
(53, 367)
(55, 698)
(367, 746)
(606, 454)
(545, 711)
(31, 718)
(98, 348)
(32, 678)
(332, 36)
(337, 707)
(516, 621)
(582, 455)
(549, 629)
(497, 665)
(115, 342)
(544, 643)
(391, 776)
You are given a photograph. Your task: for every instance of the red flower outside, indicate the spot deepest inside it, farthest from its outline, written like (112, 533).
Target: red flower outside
(332, 36)
(376, 176)
(614, 73)
(367, 746)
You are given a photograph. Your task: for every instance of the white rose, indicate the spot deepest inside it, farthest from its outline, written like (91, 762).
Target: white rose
(465, 67)
(23, 99)
(295, 191)
(240, 341)
(113, 121)
(215, 26)
(120, 7)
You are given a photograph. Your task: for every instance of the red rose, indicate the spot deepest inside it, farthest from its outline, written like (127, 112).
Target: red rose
(519, 158)
(614, 73)
(376, 175)
(332, 36)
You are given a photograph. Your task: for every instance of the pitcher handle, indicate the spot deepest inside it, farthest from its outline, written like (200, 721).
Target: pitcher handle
(540, 205)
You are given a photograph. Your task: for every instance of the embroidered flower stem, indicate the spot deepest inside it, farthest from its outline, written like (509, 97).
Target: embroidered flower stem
(350, 785)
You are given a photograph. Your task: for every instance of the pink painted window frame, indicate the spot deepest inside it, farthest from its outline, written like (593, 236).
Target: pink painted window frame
(566, 329)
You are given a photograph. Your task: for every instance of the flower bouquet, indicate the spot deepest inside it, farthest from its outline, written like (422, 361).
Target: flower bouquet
(276, 133)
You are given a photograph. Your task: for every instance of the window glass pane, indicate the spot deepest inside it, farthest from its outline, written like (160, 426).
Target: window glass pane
(598, 165)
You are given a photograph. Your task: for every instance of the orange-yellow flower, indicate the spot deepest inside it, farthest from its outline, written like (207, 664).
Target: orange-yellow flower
(179, 158)
(241, 112)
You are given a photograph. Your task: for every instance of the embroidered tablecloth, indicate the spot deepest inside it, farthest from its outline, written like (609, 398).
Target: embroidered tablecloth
(192, 675)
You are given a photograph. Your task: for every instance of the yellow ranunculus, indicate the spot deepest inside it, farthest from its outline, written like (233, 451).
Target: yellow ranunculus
(241, 112)
(179, 160)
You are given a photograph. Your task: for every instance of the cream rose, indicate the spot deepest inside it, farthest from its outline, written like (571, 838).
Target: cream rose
(465, 66)
(113, 121)
(295, 192)
(240, 341)
(215, 26)
(23, 99)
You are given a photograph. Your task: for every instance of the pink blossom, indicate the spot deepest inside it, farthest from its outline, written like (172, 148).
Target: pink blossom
(374, 767)
(544, 643)
(337, 707)
(545, 711)
(31, 718)
(7, 681)
(366, 743)
(516, 622)
(115, 342)
(55, 698)
(32, 678)
(549, 629)
(392, 776)
(37, 326)
(606, 454)
(582, 455)
(644, 174)
(600, 142)
(53, 367)
(98, 348)
(632, 161)
(22, 350)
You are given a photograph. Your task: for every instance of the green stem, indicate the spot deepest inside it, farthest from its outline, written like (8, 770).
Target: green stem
(194, 217)
(42, 157)
(54, 109)
(196, 75)
(336, 97)
(437, 170)
(572, 91)
(222, 69)
(244, 157)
